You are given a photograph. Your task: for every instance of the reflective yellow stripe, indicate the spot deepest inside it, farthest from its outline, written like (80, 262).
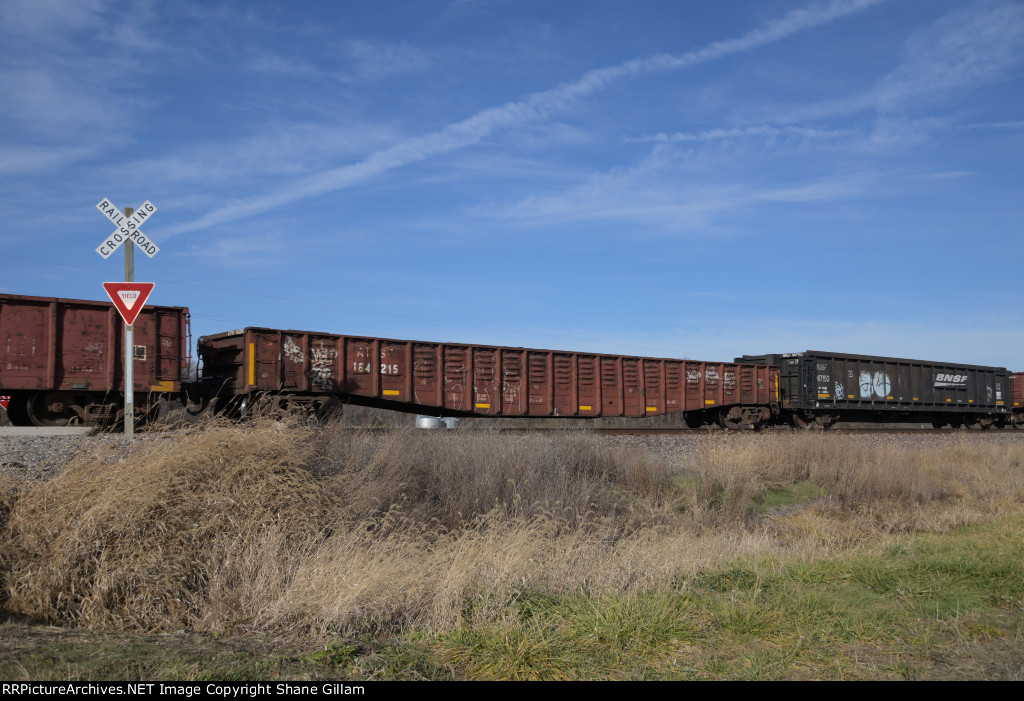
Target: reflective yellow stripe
(652, 408)
(483, 406)
(252, 363)
(584, 407)
(165, 386)
(709, 401)
(391, 392)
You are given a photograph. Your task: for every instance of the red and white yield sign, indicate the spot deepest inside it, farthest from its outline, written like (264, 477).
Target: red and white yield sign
(127, 228)
(129, 298)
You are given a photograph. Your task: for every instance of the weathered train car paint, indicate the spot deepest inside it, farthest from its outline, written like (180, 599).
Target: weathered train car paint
(825, 387)
(479, 380)
(1017, 397)
(59, 357)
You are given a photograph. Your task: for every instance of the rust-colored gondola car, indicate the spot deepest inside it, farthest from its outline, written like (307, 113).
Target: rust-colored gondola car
(62, 360)
(297, 367)
(1017, 395)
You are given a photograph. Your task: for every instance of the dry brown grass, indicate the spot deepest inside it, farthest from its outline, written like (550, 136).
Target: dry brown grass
(449, 478)
(287, 527)
(158, 538)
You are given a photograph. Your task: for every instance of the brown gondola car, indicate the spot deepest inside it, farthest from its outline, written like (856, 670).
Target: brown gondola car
(320, 370)
(1017, 395)
(62, 360)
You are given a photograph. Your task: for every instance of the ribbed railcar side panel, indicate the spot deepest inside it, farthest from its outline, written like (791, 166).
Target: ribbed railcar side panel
(49, 343)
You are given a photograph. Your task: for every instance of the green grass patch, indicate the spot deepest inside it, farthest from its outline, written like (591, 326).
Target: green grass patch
(800, 492)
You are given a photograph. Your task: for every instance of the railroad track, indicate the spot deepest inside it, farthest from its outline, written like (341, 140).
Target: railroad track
(44, 431)
(779, 429)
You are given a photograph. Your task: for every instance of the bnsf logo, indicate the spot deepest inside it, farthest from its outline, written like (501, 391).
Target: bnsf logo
(950, 378)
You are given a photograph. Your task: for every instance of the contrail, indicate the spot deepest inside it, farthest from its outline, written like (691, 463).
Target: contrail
(535, 107)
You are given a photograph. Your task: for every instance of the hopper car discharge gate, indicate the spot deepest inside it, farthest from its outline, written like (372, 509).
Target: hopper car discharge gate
(279, 369)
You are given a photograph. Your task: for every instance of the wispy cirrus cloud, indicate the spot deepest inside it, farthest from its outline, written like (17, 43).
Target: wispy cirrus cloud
(534, 108)
(665, 194)
(48, 20)
(355, 60)
(969, 47)
(14, 161)
(374, 60)
(283, 149)
(283, 65)
(763, 130)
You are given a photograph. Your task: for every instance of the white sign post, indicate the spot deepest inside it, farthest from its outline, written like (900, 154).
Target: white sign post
(128, 230)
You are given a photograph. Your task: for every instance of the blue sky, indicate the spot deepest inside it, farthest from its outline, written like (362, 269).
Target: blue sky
(683, 179)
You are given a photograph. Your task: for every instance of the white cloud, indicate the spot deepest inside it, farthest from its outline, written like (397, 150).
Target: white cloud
(964, 49)
(374, 60)
(287, 149)
(763, 130)
(47, 20)
(970, 46)
(45, 105)
(15, 161)
(535, 107)
(282, 65)
(267, 251)
(656, 194)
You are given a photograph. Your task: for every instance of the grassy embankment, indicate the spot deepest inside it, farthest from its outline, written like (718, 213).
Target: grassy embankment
(288, 551)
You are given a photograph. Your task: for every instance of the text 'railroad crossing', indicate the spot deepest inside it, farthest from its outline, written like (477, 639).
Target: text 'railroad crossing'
(127, 228)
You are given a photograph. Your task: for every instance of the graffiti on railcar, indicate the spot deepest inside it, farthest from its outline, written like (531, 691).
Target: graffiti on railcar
(292, 351)
(875, 384)
(321, 362)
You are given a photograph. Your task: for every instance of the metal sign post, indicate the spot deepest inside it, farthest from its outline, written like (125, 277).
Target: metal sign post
(128, 231)
(129, 346)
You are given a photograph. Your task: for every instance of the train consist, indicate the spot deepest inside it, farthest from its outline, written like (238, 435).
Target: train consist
(61, 362)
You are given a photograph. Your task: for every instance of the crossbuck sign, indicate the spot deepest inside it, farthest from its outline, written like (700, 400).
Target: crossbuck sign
(127, 228)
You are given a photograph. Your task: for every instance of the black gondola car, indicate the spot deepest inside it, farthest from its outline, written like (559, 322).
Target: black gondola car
(818, 388)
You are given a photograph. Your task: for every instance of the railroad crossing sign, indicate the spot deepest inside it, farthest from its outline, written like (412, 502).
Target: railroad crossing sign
(129, 298)
(127, 228)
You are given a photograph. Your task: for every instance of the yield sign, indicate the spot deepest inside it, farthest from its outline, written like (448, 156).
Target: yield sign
(129, 298)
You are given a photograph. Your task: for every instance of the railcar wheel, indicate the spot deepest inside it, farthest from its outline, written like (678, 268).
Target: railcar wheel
(726, 420)
(16, 411)
(49, 409)
(802, 421)
(693, 419)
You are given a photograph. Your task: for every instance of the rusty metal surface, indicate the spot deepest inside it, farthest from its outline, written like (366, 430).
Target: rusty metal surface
(476, 380)
(1017, 393)
(77, 345)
